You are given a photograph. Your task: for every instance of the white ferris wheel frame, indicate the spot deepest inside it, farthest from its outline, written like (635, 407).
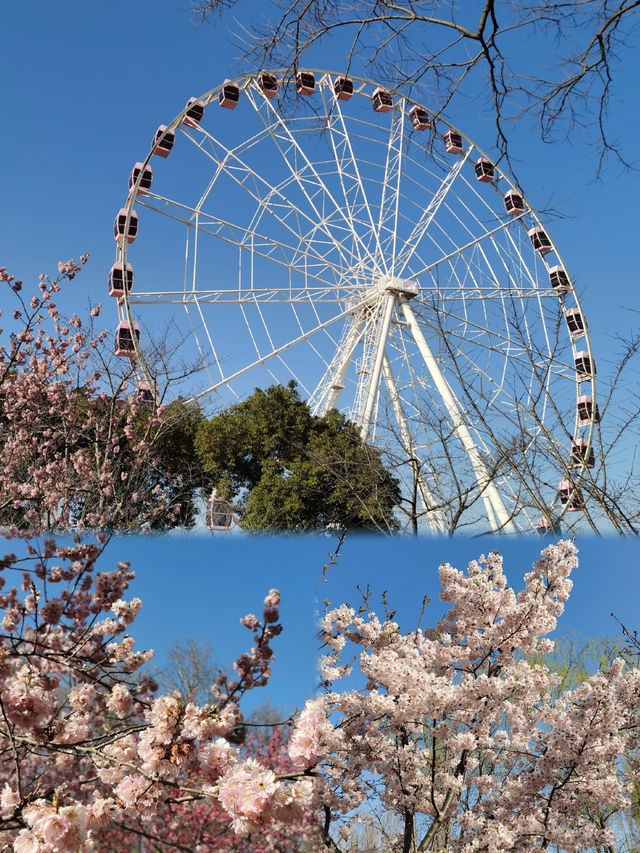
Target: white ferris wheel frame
(366, 312)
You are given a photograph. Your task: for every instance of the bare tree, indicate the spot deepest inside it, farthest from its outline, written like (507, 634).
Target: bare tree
(190, 670)
(526, 449)
(556, 63)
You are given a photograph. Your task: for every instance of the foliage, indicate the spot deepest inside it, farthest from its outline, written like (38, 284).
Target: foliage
(73, 454)
(291, 470)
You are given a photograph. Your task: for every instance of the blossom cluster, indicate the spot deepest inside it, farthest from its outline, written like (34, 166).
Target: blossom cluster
(67, 420)
(470, 745)
(86, 742)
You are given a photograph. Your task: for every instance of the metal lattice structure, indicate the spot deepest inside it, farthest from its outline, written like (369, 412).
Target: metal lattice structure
(351, 241)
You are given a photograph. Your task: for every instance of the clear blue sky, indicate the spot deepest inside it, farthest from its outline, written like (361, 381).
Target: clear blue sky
(200, 586)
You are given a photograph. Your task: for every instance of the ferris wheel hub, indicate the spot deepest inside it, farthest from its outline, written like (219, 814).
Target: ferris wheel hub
(406, 287)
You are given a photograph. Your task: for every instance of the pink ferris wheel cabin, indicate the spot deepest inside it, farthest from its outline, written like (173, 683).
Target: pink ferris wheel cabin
(120, 229)
(145, 180)
(124, 345)
(118, 282)
(194, 113)
(586, 410)
(513, 203)
(229, 95)
(452, 142)
(419, 118)
(343, 88)
(485, 170)
(163, 140)
(305, 82)
(268, 83)
(381, 100)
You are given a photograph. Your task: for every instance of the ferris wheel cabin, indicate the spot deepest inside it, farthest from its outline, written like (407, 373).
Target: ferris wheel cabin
(582, 454)
(229, 95)
(485, 170)
(219, 513)
(144, 393)
(585, 368)
(559, 280)
(381, 100)
(570, 496)
(513, 203)
(540, 240)
(586, 410)
(419, 118)
(120, 229)
(163, 140)
(124, 339)
(145, 180)
(343, 88)
(575, 322)
(194, 113)
(546, 526)
(268, 84)
(118, 281)
(305, 82)
(452, 142)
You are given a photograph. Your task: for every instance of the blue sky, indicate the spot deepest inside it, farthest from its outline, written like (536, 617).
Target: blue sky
(200, 586)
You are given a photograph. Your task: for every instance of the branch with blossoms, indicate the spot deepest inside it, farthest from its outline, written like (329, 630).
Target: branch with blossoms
(78, 448)
(87, 745)
(454, 738)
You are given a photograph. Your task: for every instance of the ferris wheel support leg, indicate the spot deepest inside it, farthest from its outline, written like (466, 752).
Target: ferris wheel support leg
(434, 516)
(376, 369)
(327, 398)
(499, 518)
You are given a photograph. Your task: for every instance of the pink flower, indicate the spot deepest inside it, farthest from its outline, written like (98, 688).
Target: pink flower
(245, 792)
(9, 800)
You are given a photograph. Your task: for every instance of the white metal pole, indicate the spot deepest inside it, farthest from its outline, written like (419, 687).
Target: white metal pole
(434, 517)
(374, 378)
(497, 513)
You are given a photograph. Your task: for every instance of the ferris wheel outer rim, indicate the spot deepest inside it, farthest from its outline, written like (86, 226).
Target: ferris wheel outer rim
(243, 81)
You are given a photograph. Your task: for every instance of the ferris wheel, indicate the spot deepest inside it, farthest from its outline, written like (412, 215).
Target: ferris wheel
(320, 228)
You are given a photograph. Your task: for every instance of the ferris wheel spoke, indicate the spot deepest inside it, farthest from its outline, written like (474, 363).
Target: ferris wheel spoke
(420, 229)
(239, 296)
(459, 340)
(348, 168)
(275, 203)
(292, 257)
(484, 236)
(390, 191)
(493, 502)
(386, 307)
(314, 188)
(275, 352)
(327, 392)
(434, 517)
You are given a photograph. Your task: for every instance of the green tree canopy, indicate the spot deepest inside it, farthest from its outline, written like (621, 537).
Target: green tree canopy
(287, 469)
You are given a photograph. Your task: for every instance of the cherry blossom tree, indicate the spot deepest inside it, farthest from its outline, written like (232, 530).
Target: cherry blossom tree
(461, 739)
(451, 738)
(77, 445)
(86, 744)
(204, 825)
